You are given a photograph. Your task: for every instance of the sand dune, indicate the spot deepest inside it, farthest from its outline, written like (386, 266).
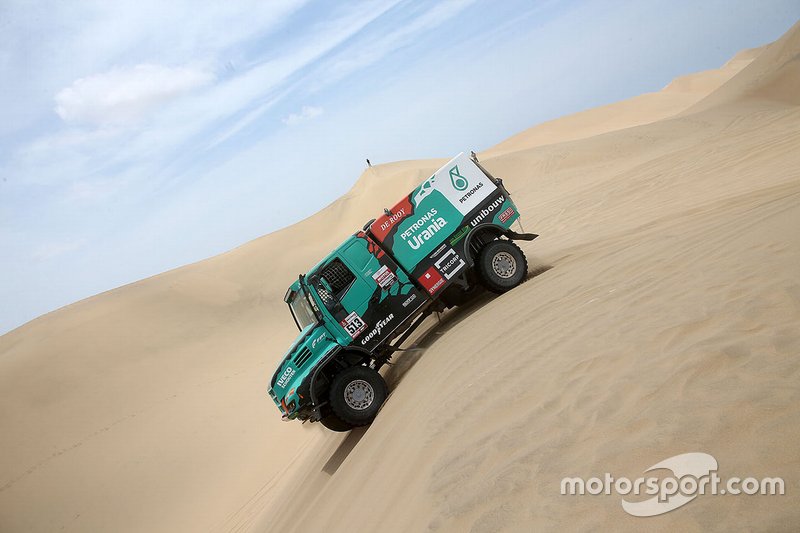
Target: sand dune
(679, 95)
(665, 319)
(773, 75)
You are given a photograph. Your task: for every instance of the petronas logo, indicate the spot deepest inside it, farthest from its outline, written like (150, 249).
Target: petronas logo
(459, 182)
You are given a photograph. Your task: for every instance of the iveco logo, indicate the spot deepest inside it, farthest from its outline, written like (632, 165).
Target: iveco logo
(286, 376)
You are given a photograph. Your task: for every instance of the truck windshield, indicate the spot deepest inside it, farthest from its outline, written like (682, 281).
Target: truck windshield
(302, 311)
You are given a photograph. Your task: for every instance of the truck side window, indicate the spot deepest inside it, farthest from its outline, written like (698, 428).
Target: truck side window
(334, 280)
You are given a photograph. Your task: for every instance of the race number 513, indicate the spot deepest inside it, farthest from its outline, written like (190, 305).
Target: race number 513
(353, 324)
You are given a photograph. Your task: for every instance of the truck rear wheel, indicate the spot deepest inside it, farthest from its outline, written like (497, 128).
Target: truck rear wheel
(356, 395)
(501, 266)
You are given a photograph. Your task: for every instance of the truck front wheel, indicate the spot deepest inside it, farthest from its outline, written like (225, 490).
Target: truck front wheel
(501, 266)
(357, 394)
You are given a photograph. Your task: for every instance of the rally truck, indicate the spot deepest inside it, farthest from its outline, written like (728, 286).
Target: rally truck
(431, 251)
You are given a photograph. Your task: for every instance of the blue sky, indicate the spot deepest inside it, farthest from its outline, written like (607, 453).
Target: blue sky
(138, 136)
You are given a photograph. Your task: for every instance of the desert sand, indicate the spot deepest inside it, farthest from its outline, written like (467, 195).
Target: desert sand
(662, 316)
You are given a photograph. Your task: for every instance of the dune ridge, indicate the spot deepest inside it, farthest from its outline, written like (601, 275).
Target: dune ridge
(664, 319)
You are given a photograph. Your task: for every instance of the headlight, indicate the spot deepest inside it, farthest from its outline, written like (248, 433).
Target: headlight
(288, 408)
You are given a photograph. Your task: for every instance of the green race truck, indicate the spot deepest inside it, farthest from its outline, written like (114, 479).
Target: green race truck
(356, 307)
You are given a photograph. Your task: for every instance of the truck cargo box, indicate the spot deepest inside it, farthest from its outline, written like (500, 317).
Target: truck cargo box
(426, 231)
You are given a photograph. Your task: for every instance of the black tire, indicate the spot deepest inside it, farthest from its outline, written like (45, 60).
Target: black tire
(501, 266)
(357, 394)
(333, 423)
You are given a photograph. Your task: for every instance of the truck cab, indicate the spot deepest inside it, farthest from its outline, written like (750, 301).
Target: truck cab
(349, 306)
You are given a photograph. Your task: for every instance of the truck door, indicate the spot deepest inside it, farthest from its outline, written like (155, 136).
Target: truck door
(368, 294)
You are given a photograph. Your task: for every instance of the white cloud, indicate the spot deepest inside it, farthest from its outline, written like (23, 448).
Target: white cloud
(307, 113)
(114, 139)
(125, 94)
(44, 46)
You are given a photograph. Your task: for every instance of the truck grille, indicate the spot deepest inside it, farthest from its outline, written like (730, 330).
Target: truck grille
(302, 356)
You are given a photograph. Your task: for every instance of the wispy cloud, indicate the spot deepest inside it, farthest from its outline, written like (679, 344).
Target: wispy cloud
(47, 46)
(372, 48)
(306, 113)
(145, 115)
(123, 95)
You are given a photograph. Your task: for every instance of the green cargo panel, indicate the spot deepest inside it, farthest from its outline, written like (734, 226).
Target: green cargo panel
(432, 212)
(424, 232)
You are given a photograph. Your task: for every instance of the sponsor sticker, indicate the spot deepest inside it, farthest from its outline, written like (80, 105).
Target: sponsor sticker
(376, 331)
(315, 341)
(461, 182)
(450, 263)
(487, 210)
(424, 229)
(384, 277)
(437, 251)
(431, 280)
(383, 225)
(353, 325)
(505, 215)
(409, 300)
(460, 234)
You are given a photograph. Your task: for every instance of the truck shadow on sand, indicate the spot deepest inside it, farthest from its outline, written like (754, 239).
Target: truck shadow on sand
(434, 327)
(438, 325)
(343, 450)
